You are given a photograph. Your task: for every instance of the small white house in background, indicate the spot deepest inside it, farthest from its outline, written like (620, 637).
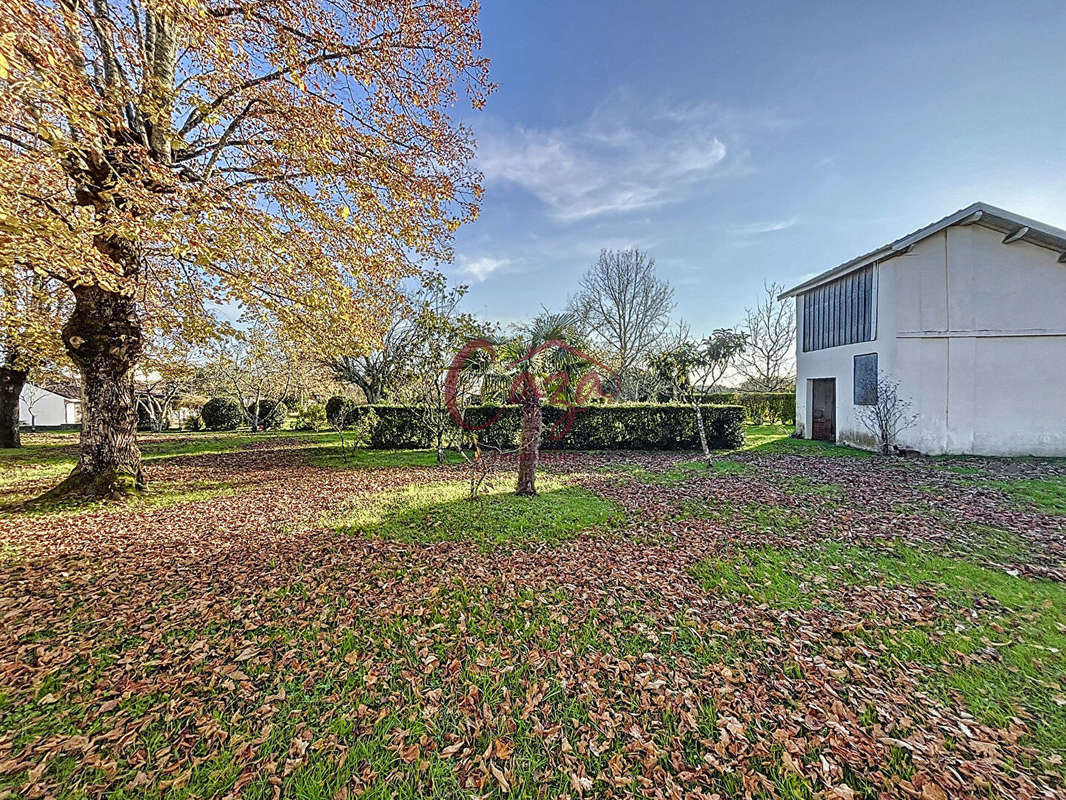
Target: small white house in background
(968, 314)
(49, 406)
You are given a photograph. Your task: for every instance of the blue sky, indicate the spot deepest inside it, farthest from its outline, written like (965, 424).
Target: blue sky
(747, 141)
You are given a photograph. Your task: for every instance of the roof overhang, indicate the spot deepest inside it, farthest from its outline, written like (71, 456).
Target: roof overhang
(1014, 227)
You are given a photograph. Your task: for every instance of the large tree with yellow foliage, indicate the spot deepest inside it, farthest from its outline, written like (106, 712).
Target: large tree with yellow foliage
(162, 157)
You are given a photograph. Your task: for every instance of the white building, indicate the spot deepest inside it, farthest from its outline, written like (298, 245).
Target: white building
(49, 406)
(968, 314)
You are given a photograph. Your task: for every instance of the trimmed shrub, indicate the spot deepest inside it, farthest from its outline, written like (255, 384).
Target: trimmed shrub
(271, 414)
(340, 411)
(646, 426)
(311, 417)
(364, 426)
(760, 407)
(398, 427)
(637, 426)
(221, 414)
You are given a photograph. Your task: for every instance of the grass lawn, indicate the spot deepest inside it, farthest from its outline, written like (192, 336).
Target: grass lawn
(1048, 495)
(796, 620)
(777, 439)
(45, 459)
(1026, 621)
(442, 512)
(375, 459)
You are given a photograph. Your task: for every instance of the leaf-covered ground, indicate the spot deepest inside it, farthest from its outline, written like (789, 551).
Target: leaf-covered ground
(798, 621)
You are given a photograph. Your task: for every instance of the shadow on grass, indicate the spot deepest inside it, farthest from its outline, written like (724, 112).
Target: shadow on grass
(443, 512)
(361, 458)
(177, 446)
(47, 458)
(156, 496)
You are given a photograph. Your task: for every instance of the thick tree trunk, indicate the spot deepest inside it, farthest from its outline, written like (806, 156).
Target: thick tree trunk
(103, 338)
(11, 383)
(529, 449)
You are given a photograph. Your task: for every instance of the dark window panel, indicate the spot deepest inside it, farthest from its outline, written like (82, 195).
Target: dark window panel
(865, 391)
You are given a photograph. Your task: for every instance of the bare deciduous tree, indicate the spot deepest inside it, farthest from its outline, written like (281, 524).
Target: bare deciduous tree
(625, 309)
(889, 415)
(770, 330)
(30, 396)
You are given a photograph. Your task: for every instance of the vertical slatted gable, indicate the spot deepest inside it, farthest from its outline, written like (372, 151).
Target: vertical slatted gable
(860, 299)
(819, 321)
(849, 308)
(853, 308)
(838, 304)
(827, 293)
(840, 312)
(806, 323)
(842, 323)
(856, 291)
(838, 316)
(808, 309)
(827, 322)
(868, 305)
(863, 316)
(819, 343)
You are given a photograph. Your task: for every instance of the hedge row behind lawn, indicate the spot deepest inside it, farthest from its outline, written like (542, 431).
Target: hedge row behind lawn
(638, 426)
(759, 407)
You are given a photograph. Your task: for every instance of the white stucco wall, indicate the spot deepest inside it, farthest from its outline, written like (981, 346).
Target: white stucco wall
(48, 409)
(975, 330)
(838, 362)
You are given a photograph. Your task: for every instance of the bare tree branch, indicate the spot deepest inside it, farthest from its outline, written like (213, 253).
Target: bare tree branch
(626, 309)
(770, 329)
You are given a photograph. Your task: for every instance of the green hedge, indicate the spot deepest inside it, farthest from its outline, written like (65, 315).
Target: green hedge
(221, 414)
(759, 407)
(338, 405)
(638, 426)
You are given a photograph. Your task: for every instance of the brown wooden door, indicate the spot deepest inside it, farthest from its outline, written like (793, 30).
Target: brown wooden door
(824, 409)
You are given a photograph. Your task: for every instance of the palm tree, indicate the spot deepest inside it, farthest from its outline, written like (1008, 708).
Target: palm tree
(539, 360)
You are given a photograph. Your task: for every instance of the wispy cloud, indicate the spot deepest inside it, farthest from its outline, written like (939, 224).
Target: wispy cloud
(627, 155)
(756, 228)
(481, 268)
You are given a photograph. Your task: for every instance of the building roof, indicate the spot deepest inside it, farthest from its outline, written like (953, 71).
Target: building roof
(67, 389)
(1014, 227)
